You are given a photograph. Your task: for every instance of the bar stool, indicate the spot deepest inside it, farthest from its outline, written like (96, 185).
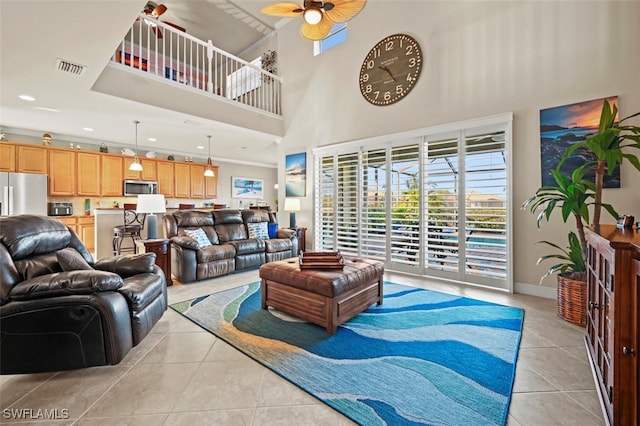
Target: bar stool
(186, 206)
(133, 226)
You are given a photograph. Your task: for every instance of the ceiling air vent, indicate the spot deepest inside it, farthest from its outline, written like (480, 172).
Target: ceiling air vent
(70, 67)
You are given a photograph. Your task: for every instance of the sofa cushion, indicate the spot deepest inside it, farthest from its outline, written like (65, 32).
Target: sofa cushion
(277, 245)
(232, 232)
(258, 230)
(66, 283)
(127, 266)
(70, 260)
(200, 236)
(214, 253)
(248, 246)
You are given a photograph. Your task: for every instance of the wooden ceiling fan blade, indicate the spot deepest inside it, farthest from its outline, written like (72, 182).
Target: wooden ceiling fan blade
(176, 26)
(159, 10)
(344, 10)
(284, 10)
(318, 31)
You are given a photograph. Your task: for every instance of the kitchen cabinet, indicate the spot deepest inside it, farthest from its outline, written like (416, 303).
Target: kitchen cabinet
(197, 180)
(32, 159)
(62, 172)
(7, 157)
(613, 320)
(182, 180)
(85, 229)
(88, 174)
(165, 178)
(211, 184)
(148, 169)
(111, 175)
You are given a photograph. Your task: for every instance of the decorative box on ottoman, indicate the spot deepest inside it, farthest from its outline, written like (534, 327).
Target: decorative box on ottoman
(327, 297)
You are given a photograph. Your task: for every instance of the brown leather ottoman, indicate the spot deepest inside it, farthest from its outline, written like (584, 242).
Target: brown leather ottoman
(327, 297)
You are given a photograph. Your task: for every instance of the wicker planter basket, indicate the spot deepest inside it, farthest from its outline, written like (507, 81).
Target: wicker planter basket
(572, 300)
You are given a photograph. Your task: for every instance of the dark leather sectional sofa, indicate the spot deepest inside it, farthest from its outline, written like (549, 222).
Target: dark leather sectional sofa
(231, 246)
(59, 309)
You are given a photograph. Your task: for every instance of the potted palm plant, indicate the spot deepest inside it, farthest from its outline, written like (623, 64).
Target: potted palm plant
(609, 146)
(572, 196)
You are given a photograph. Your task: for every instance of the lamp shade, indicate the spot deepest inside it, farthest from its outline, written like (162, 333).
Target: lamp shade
(151, 203)
(292, 204)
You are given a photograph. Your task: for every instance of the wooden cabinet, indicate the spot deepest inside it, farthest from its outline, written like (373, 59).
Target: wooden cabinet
(111, 175)
(32, 159)
(62, 172)
(197, 180)
(613, 326)
(162, 248)
(148, 169)
(165, 178)
(182, 180)
(85, 228)
(88, 174)
(211, 184)
(7, 157)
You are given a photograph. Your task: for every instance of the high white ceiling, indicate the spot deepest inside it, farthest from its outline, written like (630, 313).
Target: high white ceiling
(35, 33)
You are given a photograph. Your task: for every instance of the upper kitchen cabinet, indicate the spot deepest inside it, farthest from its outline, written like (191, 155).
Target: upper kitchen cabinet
(7, 157)
(211, 184)
(62, 172)
(32, 159)
(149, 170)
(111, 175)
(182, 180)
(88, 174)
(197, 180)
(165, 178)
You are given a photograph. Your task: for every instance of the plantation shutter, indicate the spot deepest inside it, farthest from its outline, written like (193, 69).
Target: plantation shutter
(373, 218)
(325, 204)
(347, 235)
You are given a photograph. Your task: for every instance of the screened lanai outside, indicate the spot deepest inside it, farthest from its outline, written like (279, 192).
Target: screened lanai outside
(435, 204)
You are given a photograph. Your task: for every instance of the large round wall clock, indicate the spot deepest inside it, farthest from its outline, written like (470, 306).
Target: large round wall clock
(391, 69)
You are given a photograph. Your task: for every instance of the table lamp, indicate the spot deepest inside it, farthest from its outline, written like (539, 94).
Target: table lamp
(150, 204)
(292, 205)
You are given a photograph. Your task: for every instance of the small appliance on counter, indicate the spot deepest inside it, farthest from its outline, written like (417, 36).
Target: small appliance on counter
(60, 209)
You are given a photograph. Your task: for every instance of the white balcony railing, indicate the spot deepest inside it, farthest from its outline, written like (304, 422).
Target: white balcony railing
(183, 59)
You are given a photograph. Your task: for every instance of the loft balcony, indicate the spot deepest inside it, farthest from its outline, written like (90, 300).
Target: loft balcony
(160, 65)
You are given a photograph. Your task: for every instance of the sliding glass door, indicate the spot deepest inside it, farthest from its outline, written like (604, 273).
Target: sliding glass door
(435, 204)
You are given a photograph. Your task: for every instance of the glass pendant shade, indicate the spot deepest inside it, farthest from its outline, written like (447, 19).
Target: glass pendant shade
(209, 170)
(136, 166)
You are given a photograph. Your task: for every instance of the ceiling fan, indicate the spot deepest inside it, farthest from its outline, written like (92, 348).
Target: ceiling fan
(319, 16)
(153, 12)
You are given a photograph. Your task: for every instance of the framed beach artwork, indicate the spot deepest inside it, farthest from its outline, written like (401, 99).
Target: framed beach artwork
(295, 175)
(242, 187)
(565, 125)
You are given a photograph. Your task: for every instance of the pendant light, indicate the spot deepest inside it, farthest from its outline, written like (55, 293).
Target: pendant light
(136, 166)
(209, 171)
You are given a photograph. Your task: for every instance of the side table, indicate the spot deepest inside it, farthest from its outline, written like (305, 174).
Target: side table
(301, 233)
(162, 248)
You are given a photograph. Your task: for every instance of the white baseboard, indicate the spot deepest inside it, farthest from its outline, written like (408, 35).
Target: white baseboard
(535, 290)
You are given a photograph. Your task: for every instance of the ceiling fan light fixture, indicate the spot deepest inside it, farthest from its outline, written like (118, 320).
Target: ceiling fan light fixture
(312, 15)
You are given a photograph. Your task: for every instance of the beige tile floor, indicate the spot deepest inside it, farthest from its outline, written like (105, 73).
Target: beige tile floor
(182, 375)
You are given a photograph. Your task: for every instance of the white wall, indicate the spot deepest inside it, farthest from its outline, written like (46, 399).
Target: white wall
(480, 58)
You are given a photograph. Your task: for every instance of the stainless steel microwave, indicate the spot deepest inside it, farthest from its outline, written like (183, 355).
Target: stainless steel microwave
(137, 187)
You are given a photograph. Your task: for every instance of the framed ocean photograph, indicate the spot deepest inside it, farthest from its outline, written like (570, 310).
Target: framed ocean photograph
(242, 187)
(295, 175)
(565, 125)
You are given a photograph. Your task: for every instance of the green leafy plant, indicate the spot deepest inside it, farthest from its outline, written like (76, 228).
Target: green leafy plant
(609, 147)
(572, 261)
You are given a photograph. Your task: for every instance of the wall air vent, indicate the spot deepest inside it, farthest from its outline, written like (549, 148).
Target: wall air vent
(70, 67)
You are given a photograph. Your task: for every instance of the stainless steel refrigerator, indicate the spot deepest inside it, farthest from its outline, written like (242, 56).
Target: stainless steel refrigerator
(23, 193)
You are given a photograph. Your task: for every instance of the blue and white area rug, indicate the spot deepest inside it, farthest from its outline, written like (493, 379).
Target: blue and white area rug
(420, 358)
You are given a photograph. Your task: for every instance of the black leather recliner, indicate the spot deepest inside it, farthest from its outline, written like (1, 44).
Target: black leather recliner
(59, 309)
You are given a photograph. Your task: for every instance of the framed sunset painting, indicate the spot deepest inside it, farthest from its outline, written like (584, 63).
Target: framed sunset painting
(565, 125)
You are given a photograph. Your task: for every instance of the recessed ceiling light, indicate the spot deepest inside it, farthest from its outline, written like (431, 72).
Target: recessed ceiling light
(199, 147)
(152, 139)
(87, 129)
(27, 98)
(47, 109)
